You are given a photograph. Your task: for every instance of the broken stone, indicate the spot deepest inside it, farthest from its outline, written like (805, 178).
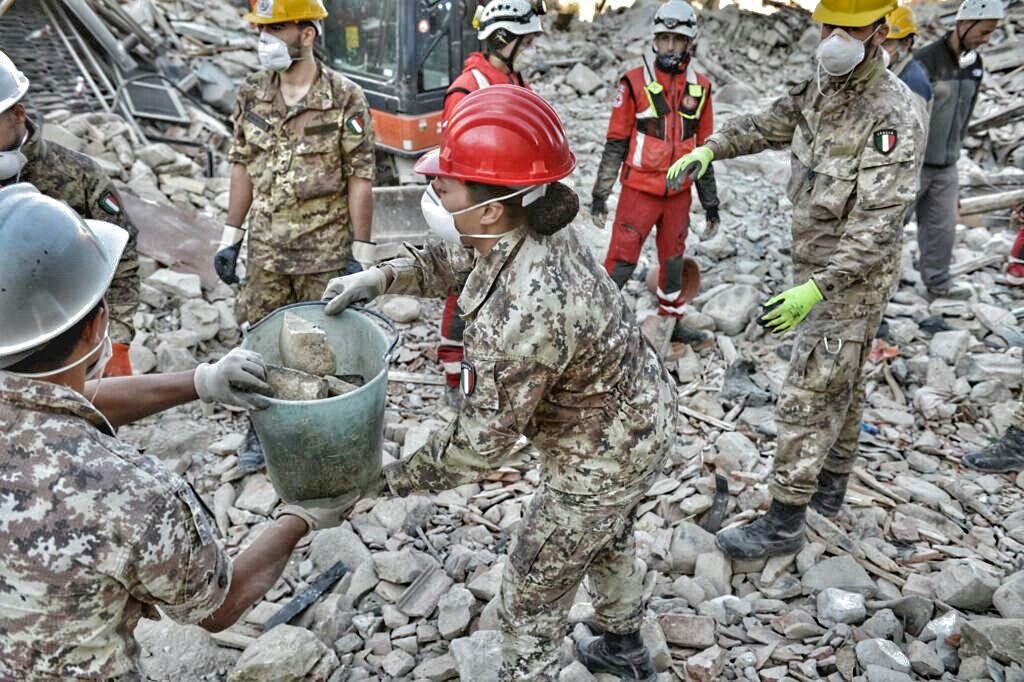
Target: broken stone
(583, 80)
(706, 666)
(304, 347)
(925, 660)
(882, 653)
(284, 653)
(200, 317)
(716, 568)
(455, 610)
(732, 308)
(998, 638)
(293, 385)
(688, 631)
(1009, 597)
(950, 346)
(726, 610)
(398, 663)
(180, 284)
(421, 598)
(258, 495)
(688, 542)
(478, 657)
(838, 606)
(842, 572)
(401, 309)
(965, 586)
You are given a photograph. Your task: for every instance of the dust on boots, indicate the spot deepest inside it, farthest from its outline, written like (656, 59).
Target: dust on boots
(780, 531)
(622, 655)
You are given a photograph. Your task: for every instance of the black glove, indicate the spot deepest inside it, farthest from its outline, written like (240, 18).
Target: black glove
(711, 214)
(598, 210)
(225, 263)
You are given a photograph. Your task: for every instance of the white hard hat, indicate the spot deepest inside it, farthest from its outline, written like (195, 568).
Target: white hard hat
(518, 17)
(55, 268)
(980, 10)
(675, 16)
(13, 83)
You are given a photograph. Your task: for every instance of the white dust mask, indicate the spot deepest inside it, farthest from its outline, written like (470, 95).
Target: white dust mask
(840, 53)
(12, 162)
(442, 222)
(106, 351)
(274, 53)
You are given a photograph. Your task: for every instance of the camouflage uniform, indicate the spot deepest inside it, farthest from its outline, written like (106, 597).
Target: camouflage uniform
(93, 535)
(552, 353)
(849, 191)
(79, 182)
(299, 159)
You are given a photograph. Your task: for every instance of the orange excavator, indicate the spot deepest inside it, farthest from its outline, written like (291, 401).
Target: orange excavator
(404, 54)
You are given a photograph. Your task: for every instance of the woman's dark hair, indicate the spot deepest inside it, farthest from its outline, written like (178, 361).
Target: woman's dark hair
(56, 351)
(545, 216)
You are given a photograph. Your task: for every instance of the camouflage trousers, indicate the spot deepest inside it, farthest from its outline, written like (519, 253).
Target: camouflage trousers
(264, 291)
(819, 411)
(558, 544)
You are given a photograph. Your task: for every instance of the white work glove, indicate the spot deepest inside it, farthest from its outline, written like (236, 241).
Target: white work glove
(364, 253)
(327, 512)
(362, 286)
(232, 379)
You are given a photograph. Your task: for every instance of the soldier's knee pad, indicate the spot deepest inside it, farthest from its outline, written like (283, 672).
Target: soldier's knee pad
(673, 271)
(622, 272)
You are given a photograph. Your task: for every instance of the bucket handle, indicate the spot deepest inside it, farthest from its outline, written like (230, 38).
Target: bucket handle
(246, 328)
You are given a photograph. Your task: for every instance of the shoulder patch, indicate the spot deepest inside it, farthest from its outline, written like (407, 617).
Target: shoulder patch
(885, 140)
(109, 203)
(620, 96)
(467, 378)
(355, 124)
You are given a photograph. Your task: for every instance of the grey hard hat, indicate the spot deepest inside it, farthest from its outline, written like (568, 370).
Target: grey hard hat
(54, 268)
(13, 83)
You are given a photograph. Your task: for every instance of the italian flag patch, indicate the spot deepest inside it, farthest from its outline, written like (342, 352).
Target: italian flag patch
(109, 203)
(467, 378)
(885, 140)
(355, 124)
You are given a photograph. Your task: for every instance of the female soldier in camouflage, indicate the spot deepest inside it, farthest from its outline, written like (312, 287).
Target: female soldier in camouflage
(553, 354)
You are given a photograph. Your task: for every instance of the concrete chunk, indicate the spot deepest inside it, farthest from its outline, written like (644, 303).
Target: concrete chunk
(304, 346)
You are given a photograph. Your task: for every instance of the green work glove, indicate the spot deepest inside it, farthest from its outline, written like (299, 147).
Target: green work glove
(695, 163)
(786, 310)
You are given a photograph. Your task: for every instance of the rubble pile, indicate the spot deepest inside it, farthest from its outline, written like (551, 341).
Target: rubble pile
(918, 578)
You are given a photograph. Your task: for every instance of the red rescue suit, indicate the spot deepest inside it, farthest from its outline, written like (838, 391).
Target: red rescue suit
(478, 73)
(664, 116)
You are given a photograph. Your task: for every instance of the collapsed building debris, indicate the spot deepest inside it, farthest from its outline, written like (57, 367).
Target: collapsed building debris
(919, 577)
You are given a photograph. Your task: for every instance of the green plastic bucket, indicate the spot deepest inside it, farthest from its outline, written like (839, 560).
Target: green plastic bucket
(327, 448)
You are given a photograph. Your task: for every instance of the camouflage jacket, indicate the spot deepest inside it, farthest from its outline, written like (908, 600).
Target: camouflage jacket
(78, 181)
(299, 159)
(552, 352)
(92, 536)
(854, 168)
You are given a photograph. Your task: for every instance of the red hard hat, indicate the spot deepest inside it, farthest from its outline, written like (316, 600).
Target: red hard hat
(502, 135)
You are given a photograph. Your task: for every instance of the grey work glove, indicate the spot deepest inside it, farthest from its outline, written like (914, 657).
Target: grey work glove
(326, 512)
(232, 380)
(362, 286)
(364, 253)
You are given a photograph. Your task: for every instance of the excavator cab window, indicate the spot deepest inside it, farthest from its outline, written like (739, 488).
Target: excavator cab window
(362, 37)
(433, 49)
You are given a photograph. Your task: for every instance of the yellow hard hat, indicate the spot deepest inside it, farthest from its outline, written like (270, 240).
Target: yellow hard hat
(901, 23)
(852, 13)
(283, 11)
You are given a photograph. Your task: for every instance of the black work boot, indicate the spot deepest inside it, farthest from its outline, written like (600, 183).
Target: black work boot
(622, 655)
(250, 457)
(828, 500)
(780, 531)
(1003, 456)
